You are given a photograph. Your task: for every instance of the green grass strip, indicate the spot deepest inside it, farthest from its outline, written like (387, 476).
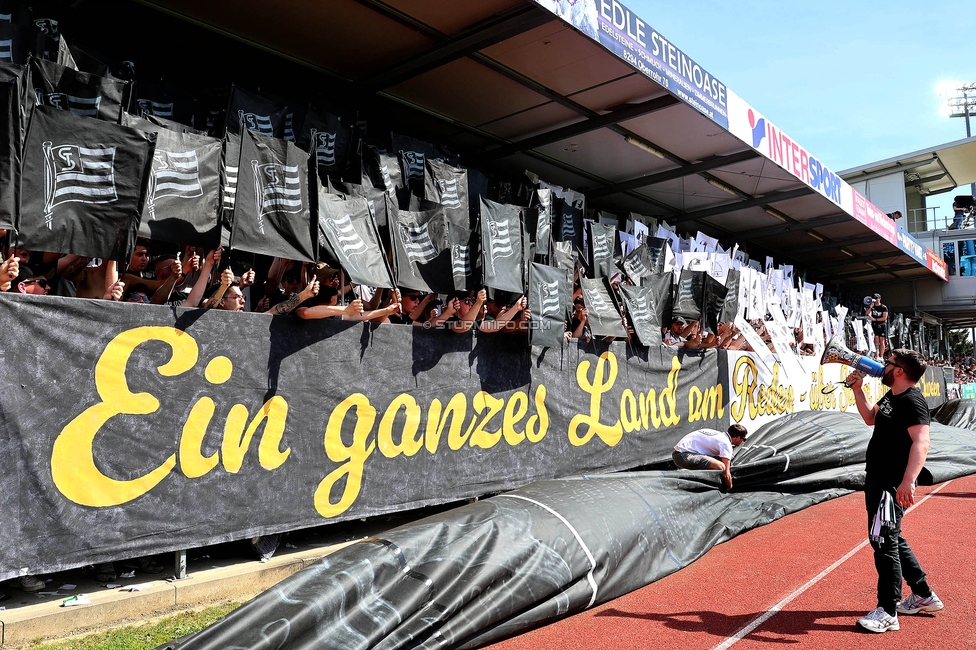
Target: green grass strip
(145, 636)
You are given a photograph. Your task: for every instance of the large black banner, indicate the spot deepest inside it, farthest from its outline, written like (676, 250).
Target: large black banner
(139, 429)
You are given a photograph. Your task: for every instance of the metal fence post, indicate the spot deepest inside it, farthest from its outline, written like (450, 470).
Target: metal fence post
(179, 565)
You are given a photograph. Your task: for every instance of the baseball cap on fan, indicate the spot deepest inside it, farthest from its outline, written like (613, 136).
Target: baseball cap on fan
(24, 272)
(877, 296)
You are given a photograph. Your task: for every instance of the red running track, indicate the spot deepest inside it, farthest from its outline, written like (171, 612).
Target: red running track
(800, 582)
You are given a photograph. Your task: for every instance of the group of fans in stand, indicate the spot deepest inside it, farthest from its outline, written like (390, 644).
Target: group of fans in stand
(193, 278)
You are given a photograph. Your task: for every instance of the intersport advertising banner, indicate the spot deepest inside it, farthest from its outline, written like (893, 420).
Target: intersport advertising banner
(130, 430)
(759, 132)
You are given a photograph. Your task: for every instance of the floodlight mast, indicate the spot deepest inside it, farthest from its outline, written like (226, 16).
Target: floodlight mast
(962, 105)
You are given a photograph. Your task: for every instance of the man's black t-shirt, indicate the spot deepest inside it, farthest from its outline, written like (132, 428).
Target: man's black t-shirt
(887, 456)
(877, 311)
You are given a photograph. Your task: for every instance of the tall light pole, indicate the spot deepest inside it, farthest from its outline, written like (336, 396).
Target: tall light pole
(961, 105)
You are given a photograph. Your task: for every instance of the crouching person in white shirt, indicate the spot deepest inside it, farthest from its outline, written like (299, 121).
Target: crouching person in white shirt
(709, 449)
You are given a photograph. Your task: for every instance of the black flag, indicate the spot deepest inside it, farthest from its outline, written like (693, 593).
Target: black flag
(642, 314)
(81, 93)
(84, 185)
(731, 306)
(638, 264)
(501, 247)
(689, 295)
(293, 120)
(327, 140)
(183, 198)
(229, 172)
(17, 35)
(160, 100)
(465, 246)
(571, 220)
(602, 244)
(448, 186)
(348, 227)
(549, 294)
(564, 256)
(12, 79)
(375, 198)
(413, 153)
(248, 111)
(657, 250)
(662, 292)
(383, 169)
(271, 212)
(421, 248)
(712, 303)
(542, 200)
(604, 315)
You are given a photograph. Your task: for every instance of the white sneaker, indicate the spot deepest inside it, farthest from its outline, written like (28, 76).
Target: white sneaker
(915, 604)
(878, 620)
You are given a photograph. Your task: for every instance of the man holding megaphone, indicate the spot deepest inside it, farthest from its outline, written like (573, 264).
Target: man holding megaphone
(895, 456)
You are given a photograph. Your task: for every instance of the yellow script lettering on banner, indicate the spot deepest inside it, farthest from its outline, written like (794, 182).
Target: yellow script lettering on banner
(352, 457)
(758, 398)
(604, 376)
(646, 410)
(705, 404)
(343, 485)
(929, 388)
(819, 401)
(73, 467)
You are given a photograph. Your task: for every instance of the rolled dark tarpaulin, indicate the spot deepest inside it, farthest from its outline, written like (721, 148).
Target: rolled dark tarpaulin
(956, 413)
(494, 568)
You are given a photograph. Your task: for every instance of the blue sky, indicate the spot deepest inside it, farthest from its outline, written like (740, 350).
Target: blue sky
(853, 82)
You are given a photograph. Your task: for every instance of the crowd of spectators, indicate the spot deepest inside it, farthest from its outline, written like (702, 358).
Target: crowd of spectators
(162, 275)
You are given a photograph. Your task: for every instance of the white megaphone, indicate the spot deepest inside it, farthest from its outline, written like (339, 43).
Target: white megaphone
(837, 352)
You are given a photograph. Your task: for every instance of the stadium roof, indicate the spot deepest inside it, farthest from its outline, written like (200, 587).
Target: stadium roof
(937, 169)
(509, 84)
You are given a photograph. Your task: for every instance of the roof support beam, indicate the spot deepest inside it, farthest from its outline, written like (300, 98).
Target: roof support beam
(579, 128)
(859, 258)
(886, 269)
(772, 197)
(519, 19)
(835, 244)
(794, 226)
(927, 179)
(713, 162)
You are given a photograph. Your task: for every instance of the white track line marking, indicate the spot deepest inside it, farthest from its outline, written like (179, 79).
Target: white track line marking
(765, 616)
